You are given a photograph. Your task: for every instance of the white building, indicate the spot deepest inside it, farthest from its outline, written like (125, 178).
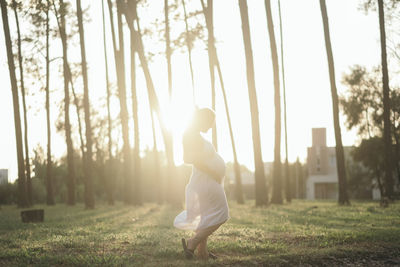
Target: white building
(3, 176)
(322, 182)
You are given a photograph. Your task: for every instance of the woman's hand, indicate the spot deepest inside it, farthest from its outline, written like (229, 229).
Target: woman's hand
(204, 168)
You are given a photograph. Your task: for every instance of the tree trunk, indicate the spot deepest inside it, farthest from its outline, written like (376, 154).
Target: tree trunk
(157, 171)
(124, 110)
(211, 64)
(287, 170)
(49, 166)
(167, 137)
(389, 181)
(236, 166)
(88, 168)
(22, 194)
(297, 178)
(78, 115)
(137, 200)
(302, 177)
(108, 182)
(260, 186)
(120, 70)
(189, 48)
(380, 186)
(277, 170)
(153, 100)
(168, 48)
(238, 178)
(341, 169)
(21, 73)
(67, 77)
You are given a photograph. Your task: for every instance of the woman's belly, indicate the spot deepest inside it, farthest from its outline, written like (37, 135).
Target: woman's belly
(217, 164)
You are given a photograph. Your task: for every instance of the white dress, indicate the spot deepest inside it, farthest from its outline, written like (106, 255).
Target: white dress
(206, 203)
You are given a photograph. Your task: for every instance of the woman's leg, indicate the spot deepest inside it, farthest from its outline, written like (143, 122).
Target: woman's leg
(200, 236)
(202, 249)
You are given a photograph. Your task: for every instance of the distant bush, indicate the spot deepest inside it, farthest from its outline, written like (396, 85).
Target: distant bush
(8, 193)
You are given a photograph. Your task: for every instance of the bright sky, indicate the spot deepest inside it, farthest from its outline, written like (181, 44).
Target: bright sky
(355, 40)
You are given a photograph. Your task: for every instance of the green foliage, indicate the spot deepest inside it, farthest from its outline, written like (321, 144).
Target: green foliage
(303, 233)
(367, 5)
(8, 193)
(362, 104)
(360, 176)
(370, 153)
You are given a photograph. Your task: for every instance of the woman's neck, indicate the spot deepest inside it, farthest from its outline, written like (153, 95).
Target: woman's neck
(193, 129)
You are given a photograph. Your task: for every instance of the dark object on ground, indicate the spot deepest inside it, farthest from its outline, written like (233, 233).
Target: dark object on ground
(32, 215)
(212, 256)
(188, 253)
(384, 203)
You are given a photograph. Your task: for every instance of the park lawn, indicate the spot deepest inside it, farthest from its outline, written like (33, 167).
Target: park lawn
(300, 233)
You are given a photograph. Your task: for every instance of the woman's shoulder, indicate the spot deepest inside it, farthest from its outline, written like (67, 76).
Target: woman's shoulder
(190, 136)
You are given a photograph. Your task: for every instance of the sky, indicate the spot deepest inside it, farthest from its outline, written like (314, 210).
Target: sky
(355, 40)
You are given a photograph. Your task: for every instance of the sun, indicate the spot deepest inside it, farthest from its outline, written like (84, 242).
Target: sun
(177, 115)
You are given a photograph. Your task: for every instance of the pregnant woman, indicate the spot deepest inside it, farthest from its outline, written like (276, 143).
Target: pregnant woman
(206, 205)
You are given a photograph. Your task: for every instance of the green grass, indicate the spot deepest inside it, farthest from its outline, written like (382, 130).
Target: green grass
(301, 233)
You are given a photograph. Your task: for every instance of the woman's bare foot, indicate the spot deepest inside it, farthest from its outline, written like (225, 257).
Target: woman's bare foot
(202, 256)
(189, 253)
(202, 252)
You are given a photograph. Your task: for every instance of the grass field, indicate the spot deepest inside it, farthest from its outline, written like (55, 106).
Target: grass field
(301, 233)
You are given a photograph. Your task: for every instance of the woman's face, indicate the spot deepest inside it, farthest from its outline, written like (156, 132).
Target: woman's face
(206, 124)
(206, 121)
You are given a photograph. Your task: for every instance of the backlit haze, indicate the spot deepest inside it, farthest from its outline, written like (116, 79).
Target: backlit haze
(355, 40)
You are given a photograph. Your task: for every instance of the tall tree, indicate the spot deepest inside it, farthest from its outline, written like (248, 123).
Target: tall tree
(341, 169)
(78, 115)
(168, 54)
(49, 166)
(189, 46)
(136, 150)
(236, 166)
(120, 70)
(168, 47)
(277, 170)
(211, 63)
(238, 178)
(260, 186)
(387, 137)
(67, 77)
(363, 107)
(108, 183)
(287, 170)
(157, 171)
(89, 195)
(15, 6)
(131, 17)
(22, 193)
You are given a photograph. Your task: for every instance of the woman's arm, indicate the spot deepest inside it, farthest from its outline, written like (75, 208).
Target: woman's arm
(193, 153)
(204, 168)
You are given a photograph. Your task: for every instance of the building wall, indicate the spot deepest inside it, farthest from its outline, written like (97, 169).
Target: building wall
(3, 176)
(318, 137)
(317, 159)
(320, 179)
(321, 162)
